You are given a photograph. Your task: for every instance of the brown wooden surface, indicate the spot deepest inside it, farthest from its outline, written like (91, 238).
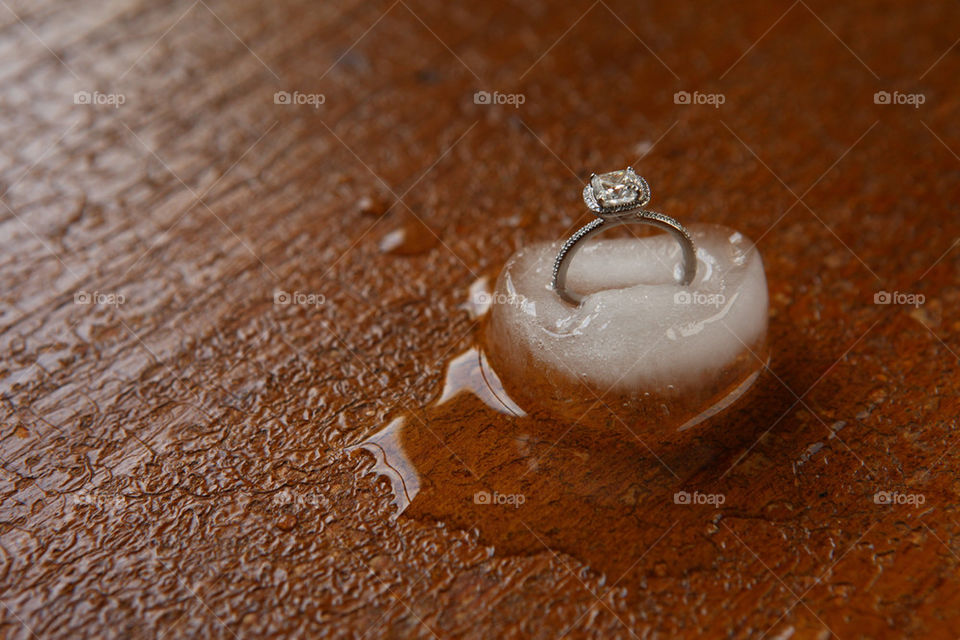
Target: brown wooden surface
(175, 465)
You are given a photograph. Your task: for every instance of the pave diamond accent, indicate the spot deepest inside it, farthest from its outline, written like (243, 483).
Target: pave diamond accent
(616, 191)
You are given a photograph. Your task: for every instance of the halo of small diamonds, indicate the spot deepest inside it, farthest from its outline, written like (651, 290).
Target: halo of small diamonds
(616, 192)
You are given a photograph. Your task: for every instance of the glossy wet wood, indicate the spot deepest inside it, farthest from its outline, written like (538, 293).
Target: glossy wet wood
(174, 432)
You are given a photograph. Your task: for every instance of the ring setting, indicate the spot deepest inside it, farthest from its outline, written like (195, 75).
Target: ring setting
(615, 192)
(616, 198)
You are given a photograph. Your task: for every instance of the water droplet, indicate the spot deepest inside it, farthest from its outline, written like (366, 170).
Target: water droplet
(410, 237)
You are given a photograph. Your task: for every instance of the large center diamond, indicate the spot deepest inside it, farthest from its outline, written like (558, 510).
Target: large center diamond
(616, 189)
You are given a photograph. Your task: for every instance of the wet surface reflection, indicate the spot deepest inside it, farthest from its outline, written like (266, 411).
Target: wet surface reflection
(589, 486)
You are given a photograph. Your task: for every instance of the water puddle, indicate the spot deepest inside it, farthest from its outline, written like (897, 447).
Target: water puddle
(587, 483)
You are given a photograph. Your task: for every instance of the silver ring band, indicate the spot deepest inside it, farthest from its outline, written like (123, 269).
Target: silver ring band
(622, 211)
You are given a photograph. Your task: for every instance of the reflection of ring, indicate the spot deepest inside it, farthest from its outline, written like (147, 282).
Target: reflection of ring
(618, 198)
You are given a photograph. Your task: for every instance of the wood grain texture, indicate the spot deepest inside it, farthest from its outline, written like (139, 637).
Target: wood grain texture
(174, 452)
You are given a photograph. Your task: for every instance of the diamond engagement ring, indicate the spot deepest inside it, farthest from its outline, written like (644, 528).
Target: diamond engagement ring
(618, 198)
